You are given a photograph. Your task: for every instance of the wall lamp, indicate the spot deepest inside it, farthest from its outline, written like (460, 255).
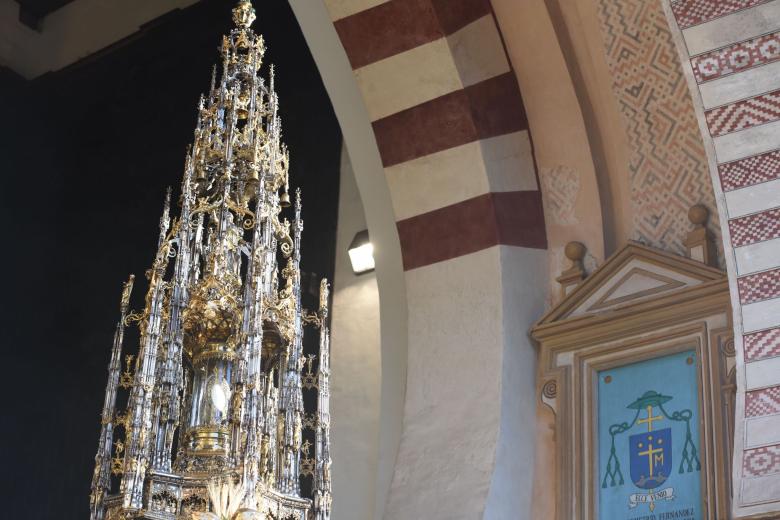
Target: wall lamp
(361, 253)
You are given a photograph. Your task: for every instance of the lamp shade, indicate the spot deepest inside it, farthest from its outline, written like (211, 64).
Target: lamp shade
(361, 253)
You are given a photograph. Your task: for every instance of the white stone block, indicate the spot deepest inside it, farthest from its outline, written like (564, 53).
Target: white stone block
(757, 257)
(745, 143)
(753, 199)
(760, 489)
(762, 431)
(761, 374)
(741, 85)
(761, 315)
(733, 28)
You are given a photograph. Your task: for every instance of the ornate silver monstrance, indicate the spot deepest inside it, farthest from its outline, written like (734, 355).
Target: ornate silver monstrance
(214, 419)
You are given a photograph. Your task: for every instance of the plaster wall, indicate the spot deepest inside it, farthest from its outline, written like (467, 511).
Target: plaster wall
(470, 388)
(355, 367)
(510, 493)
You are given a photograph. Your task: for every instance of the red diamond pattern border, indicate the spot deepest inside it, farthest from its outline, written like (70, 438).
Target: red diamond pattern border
(759, 286)
(736, 58)
(750, 171)
(761, 461)
(755, 228)
(694, 12)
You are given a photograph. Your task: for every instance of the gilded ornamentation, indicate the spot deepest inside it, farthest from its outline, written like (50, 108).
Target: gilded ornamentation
(220, 370)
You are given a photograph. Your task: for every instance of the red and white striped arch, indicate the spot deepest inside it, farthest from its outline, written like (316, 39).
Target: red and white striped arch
(449, 122)
(436, 130)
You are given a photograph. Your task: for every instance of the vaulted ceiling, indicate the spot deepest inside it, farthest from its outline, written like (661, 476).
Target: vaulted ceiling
(40, 36)
(31, 12)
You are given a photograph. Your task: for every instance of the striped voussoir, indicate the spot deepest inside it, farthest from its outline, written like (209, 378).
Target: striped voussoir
(755, 228)
(401, 25)
(734, 62)
(508, 218)
(694, 12)
(761, 461)
(762, 345)
(758, 287)
(489, 107)
(743, 114)
(749, 171)
(736, 58)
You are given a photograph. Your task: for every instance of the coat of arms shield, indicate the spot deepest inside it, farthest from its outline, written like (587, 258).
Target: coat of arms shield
(650, 458)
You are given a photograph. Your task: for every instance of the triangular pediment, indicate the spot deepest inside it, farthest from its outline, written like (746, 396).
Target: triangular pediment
(633, 275)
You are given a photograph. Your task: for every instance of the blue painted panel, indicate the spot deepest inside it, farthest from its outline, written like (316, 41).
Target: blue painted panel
(649, 463)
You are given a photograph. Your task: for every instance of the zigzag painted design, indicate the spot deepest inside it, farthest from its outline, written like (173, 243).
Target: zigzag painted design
(744, 114)
(760, 345)
(668, 167)
(762, 402)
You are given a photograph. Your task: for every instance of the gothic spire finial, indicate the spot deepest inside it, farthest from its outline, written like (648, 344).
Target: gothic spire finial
(244, 14)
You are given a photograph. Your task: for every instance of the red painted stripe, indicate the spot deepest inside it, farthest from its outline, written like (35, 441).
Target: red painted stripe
(400, 25)
(490, 108)
(387, 29)
(511, 218)
(456, 14)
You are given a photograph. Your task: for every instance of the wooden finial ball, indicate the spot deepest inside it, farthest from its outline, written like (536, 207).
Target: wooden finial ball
(575, 251)
(698, 215)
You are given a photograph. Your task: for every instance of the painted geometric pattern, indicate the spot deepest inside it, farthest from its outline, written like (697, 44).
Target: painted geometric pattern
(761, 345)
(762, 402)
(668, 168)
(759, 286)
(761, 461)
(561, 185)
(744, 114)
(736, 58)
(750, 171)
(693, 12)
(755, 228)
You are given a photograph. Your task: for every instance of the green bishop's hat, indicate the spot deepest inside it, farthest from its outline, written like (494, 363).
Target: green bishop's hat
(650, 398)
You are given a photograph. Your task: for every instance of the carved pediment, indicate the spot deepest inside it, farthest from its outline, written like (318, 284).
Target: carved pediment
(633, 275)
